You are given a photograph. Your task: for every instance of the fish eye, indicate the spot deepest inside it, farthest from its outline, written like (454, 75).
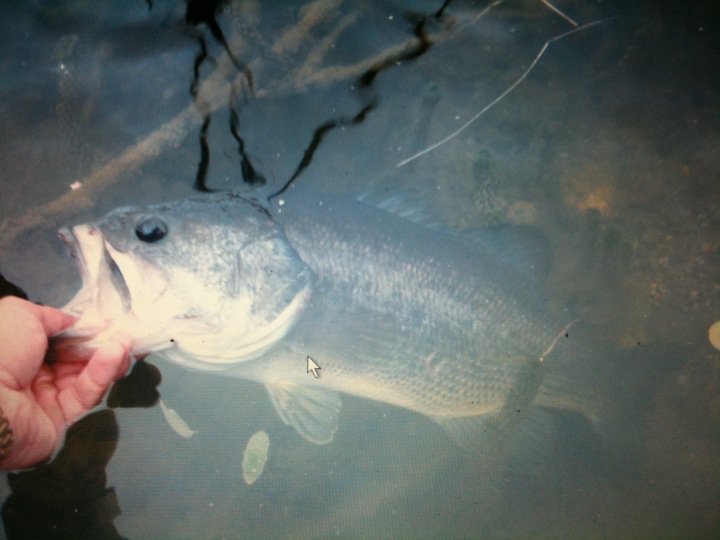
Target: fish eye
(151, 230)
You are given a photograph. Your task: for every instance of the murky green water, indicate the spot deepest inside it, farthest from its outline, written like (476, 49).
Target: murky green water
(609, 146)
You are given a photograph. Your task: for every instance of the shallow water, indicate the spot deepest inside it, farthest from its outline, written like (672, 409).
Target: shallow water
(609, 146)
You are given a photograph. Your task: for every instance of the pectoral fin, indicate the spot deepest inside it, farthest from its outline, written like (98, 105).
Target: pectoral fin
(176, 422)
(313, 412)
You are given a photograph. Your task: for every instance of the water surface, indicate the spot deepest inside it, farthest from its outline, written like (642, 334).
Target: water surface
(609, 146)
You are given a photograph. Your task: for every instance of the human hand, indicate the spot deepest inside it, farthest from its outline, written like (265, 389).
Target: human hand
(40, 400)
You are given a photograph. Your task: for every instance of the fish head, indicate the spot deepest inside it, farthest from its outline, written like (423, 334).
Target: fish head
(212, 276)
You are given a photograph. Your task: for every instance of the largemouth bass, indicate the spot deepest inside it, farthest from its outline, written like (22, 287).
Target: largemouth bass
(451, 325)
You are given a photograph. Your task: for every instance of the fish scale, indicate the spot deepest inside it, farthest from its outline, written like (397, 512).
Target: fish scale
(479, 334)
(447, 324)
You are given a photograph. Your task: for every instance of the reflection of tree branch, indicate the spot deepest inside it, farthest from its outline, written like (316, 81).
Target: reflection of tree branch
(311, 15)
(214, 91)
(321, 49)
(332, 74)
(169, 135)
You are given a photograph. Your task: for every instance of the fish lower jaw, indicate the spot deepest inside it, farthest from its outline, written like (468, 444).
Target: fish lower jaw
(93, 331)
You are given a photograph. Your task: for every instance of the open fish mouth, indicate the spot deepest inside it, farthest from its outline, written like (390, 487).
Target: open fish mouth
(104, 293)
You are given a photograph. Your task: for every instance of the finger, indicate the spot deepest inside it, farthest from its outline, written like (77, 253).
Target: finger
(107, 364)
(62, 352)
(23, 335)
(66, 373)
(45, 390)
(52, 319)
(34, 433)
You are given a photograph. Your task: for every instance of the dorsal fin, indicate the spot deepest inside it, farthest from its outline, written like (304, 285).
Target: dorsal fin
(403, 205)
(521, 247)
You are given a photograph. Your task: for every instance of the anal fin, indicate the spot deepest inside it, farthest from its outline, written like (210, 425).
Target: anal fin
(492, 432)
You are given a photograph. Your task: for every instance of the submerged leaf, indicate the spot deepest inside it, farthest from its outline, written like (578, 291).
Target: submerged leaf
(255, 456)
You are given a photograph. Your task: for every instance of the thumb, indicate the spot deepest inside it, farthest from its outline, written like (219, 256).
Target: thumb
(107, 364)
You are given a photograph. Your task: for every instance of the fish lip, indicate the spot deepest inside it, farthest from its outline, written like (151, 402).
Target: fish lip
(75, 250)
(69, 240)
(118, 279)
(78, 252)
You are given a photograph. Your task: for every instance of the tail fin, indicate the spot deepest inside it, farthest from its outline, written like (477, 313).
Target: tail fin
(584, 405)
(614, 389)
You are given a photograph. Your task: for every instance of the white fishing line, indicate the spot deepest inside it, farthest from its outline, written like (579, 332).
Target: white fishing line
(503, 94)
(556, 10)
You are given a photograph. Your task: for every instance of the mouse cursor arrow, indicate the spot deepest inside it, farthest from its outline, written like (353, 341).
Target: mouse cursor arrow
(312, 367)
